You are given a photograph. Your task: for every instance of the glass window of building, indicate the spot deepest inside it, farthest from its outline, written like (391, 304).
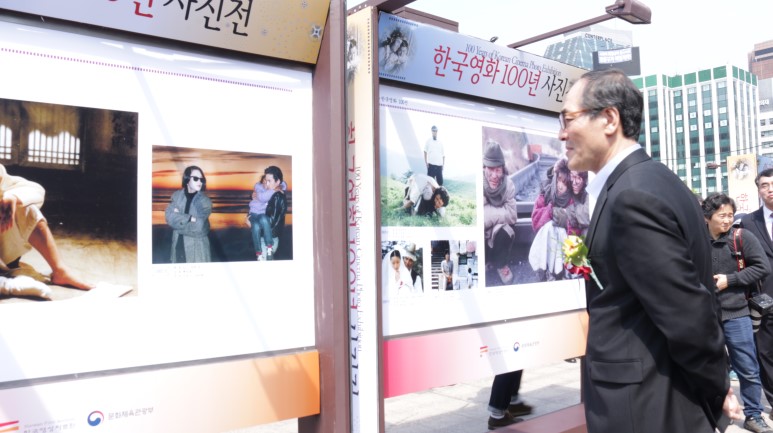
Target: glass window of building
(6, 142)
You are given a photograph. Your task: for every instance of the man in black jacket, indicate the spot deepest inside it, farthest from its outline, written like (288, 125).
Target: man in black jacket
(759, 223)
(738, 264)
(277, 206)
(655, 359)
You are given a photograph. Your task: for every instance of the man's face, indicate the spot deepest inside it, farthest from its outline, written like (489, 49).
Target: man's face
(438, 201)
(269, 182)
(578, 183)
(586, 144)
(434, 134)
(721, 220)
(196, 181)
(494, 176)
(408, 262)
(765, 189)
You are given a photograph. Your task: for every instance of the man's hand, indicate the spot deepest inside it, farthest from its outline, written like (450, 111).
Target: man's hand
(721, 281)
(731, 408)
(7, 212)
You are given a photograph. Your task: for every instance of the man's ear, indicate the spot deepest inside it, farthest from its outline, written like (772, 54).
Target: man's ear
(611, 118)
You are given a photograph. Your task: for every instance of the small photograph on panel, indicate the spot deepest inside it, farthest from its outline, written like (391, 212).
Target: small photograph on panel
(68, 216)
(401, 269)
(454, 265)
(560, 212)
(395, 48)
(221, 206)
(531, 202)
(426, 175)
(352, 52)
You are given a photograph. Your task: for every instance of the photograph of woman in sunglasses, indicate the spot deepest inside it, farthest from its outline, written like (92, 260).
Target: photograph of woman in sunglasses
(188, 216)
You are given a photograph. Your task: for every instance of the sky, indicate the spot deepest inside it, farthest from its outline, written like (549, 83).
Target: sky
(223, 170)
(684, 36)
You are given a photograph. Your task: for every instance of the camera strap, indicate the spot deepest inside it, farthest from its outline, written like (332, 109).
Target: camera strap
(738, 249)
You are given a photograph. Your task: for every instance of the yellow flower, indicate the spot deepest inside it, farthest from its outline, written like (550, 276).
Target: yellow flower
(575, 251)
(576, 258)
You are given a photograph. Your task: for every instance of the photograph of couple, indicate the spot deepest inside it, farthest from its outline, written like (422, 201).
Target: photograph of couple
(220, 206)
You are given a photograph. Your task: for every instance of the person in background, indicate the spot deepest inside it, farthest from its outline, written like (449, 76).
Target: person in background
(447, 267)
(276, 209)
(578, 212)
(396, 278)
(258, 221)
(434, 157)
(22, 228)
(409, 259)
(505, 405)
(424, 197)
(655, 359)
(550, 219)
(188, 215)
(732, 249)
(759, 224)
(500, 212)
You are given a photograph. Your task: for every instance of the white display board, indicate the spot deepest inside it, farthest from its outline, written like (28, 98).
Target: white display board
(477, 295)
(230, 118)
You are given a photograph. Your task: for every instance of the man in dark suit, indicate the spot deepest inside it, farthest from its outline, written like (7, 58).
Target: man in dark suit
(759, 223)
(655, 359)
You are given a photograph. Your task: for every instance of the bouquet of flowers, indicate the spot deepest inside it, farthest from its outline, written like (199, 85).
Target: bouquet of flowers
(576, 258)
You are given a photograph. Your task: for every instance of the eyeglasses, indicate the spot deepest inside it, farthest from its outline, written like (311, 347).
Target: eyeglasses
(563, 121)
(725, 216)
(764, 186)
(198, 179)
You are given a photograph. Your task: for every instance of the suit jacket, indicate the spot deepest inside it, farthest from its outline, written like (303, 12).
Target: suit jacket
(655, 360)
(755, 223)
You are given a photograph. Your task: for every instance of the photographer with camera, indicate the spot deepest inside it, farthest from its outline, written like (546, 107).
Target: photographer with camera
(759, 224)
(738, 265)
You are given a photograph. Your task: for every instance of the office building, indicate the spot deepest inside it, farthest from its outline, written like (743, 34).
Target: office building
(578, 46)
(693, 122)
(761, 60)
(766, 116)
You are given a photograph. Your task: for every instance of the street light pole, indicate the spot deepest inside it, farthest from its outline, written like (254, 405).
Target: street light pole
(630, 10)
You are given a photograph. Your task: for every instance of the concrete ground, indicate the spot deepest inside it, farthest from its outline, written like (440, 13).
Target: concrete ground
(461, 408)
